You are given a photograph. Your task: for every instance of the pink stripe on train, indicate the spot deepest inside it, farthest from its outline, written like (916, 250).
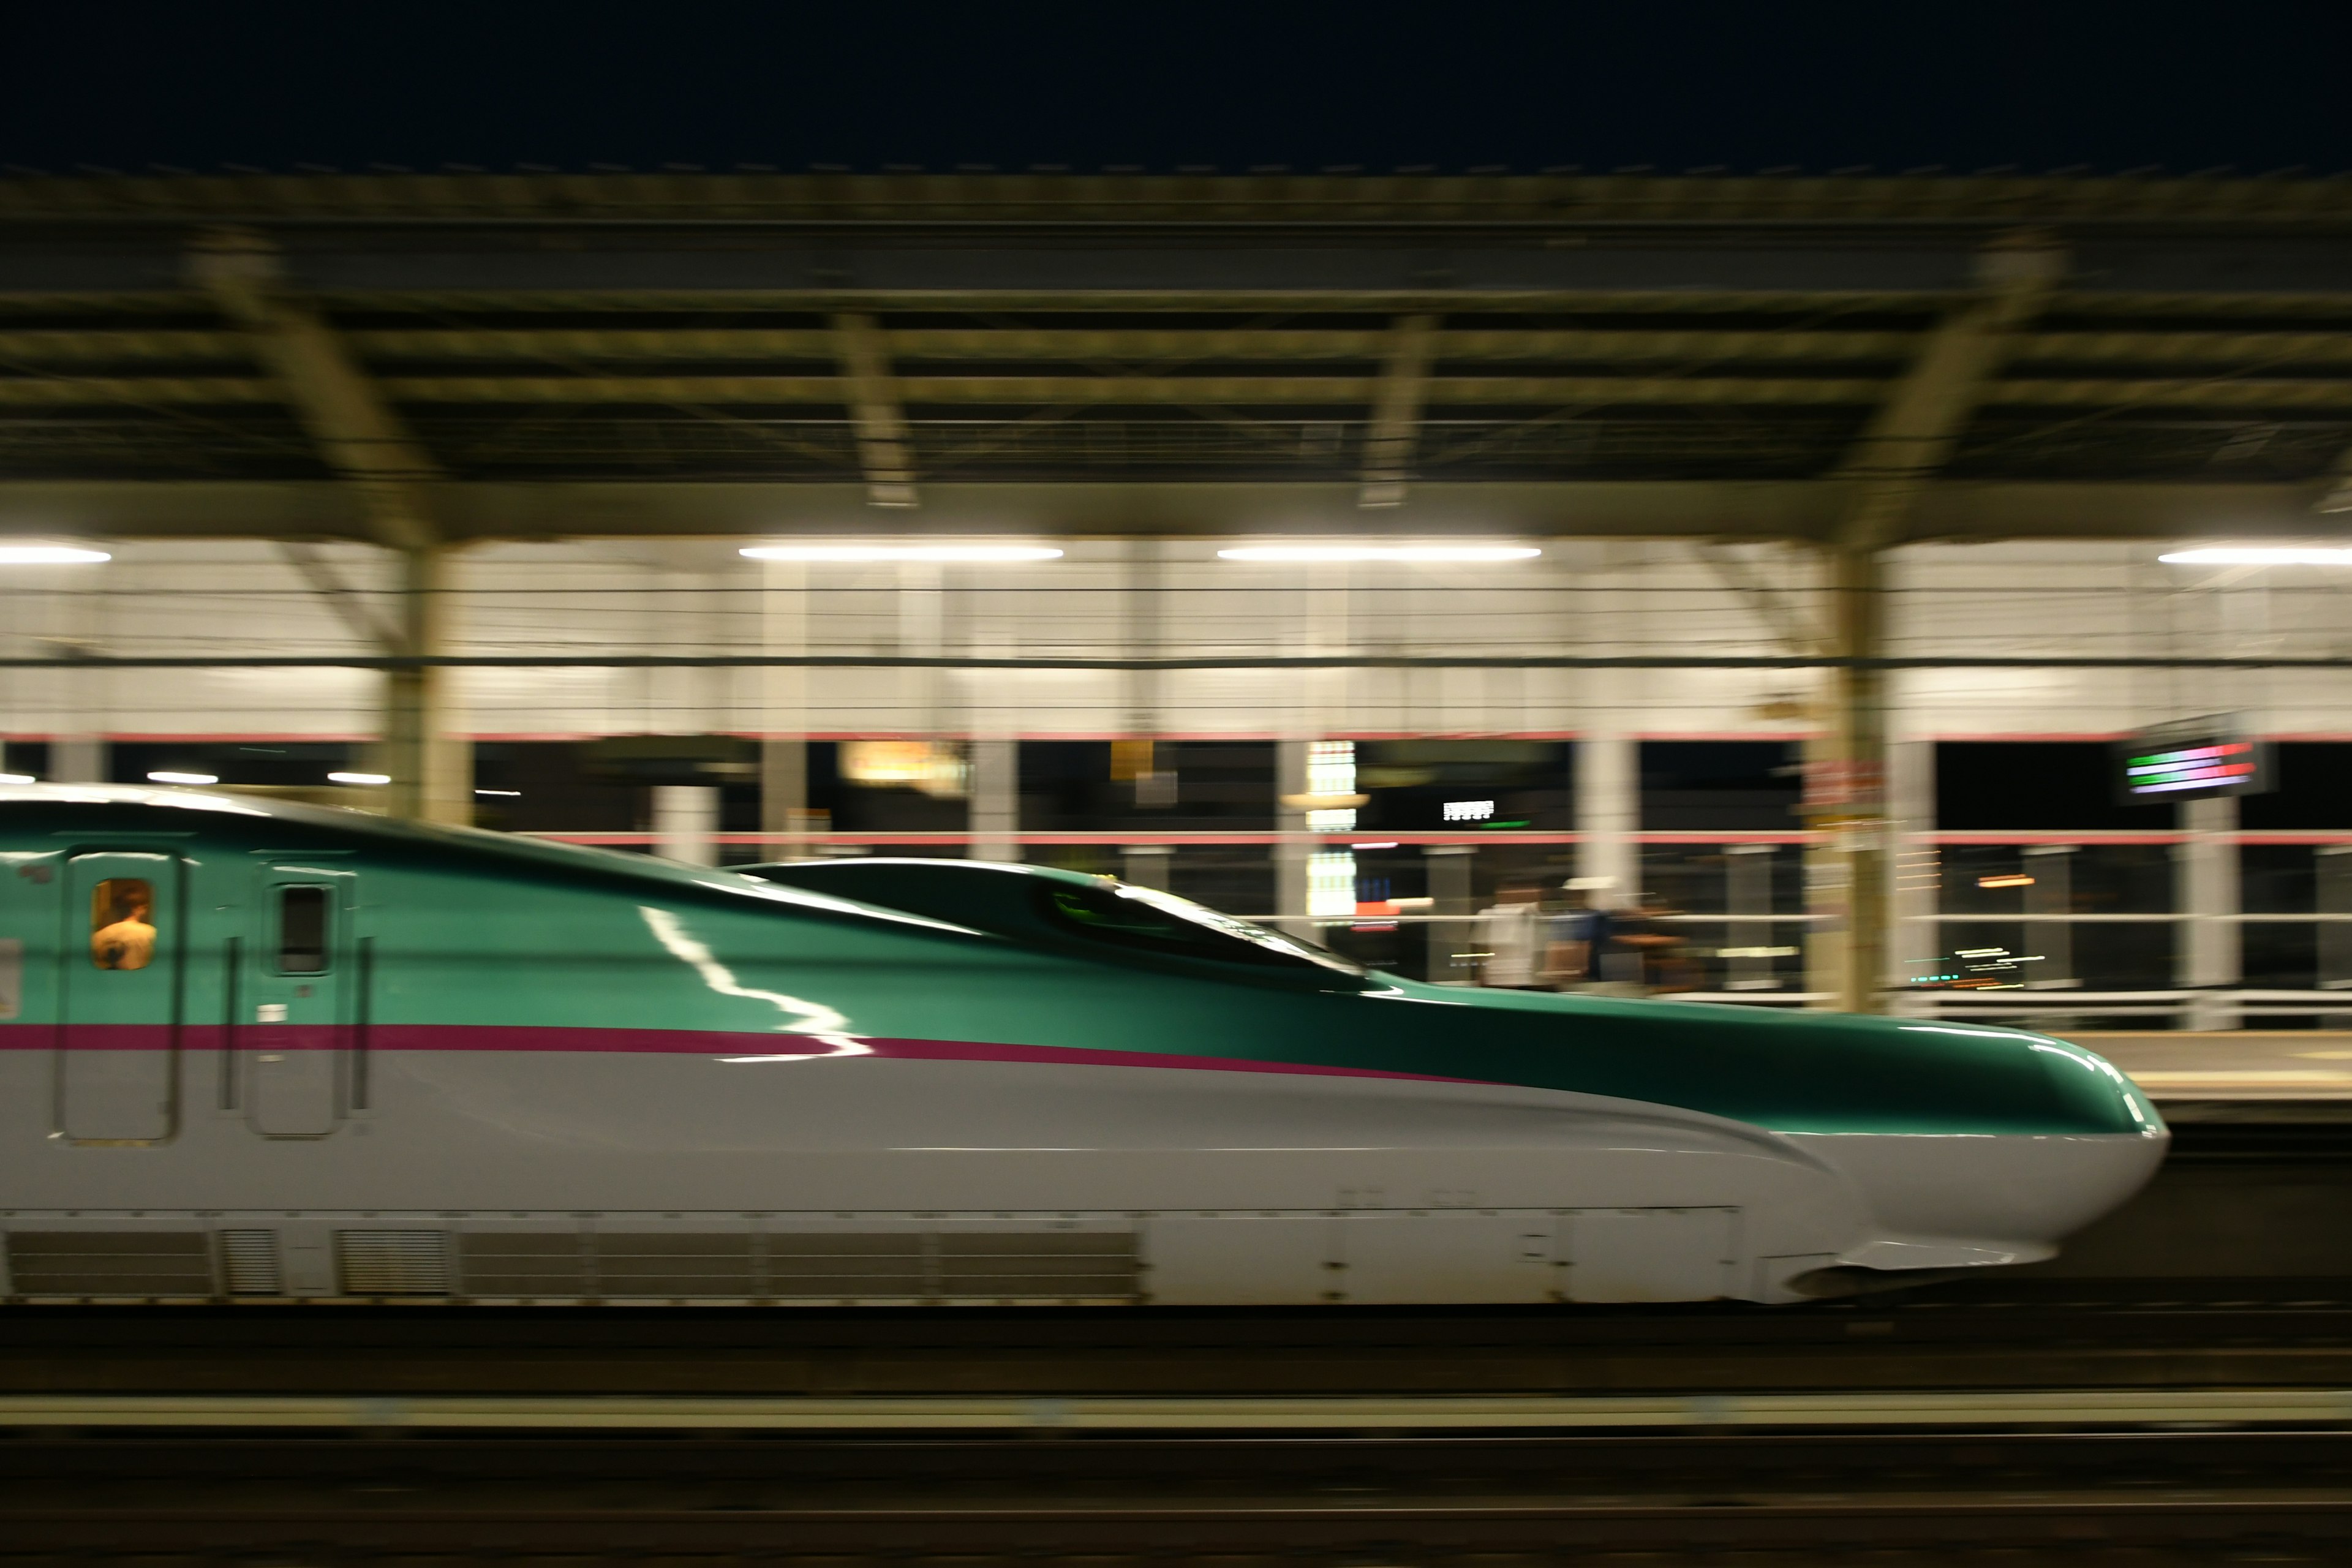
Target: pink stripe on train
(651, 1042)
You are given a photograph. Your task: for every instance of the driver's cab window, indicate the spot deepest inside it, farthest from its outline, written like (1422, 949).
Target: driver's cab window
(1152, 921)
(122, 924)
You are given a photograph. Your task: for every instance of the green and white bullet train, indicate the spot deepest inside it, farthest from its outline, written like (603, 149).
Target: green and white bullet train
(253, 1050)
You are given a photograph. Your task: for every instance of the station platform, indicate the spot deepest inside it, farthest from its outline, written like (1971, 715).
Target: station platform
(2243, 1065)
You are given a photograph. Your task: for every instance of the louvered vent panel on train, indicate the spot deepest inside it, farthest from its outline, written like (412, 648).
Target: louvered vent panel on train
(829, 1266)
(1056, 1264)
(111, 1263)
(845, 1265)
(393, 1262)
(523, 1263)
(675, 1265)
(249, 1262)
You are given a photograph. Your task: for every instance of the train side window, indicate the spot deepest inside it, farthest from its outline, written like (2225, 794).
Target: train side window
(301, 931)
(122, 924)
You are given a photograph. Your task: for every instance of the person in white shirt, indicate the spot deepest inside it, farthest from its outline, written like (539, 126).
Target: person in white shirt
(1515, 937)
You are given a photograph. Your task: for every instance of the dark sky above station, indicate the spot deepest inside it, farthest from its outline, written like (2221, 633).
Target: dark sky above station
(1817, 84)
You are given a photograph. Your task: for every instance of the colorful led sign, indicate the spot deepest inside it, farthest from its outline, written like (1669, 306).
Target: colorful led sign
(2222, 766)
(2194, 758)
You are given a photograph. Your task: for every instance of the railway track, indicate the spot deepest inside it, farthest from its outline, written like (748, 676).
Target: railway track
(2104, 1423)
(2027, 1427)
(2142, 1499)
(2297, 1339)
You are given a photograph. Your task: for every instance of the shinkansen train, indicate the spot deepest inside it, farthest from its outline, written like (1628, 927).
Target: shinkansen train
(254, 1050)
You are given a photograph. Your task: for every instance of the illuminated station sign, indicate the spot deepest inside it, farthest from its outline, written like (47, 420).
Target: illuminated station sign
(2192, 760)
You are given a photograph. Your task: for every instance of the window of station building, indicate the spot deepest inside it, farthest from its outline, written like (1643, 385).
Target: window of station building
(606, 786)
(122, 924)
(2035, 786)
(2093, 879)
(1701, 786)
(302, 930)
(889, 786)
(2311, 787)
(1116, 786)
(1465, 786)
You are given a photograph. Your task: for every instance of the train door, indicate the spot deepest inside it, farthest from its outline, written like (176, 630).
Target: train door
(117, 1073)
(297, 1035)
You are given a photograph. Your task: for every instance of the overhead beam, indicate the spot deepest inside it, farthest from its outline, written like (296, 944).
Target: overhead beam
(349, 605)
(1396, 410)
(1781, 616)
(883, 449)
(354, 428)
(392, 478)
(2216, 349)
(1083, 200)
(1912, 435)
(2332, 494)
(878, 418)
(1808, 510)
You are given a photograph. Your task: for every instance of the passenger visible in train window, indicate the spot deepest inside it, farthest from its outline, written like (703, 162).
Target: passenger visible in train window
(122, 919)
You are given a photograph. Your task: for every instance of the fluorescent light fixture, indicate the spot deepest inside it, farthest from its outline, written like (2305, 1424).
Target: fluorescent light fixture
(358, 778)
(1414, 554)
(510, 793)
(167, 777)
(2260, 555)
(48, 554)
(884, 550)
(17, 778)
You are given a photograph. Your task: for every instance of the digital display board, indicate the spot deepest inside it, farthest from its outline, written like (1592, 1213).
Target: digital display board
(2191, 760)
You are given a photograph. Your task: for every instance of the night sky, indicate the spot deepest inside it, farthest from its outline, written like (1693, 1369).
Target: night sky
(2261, 84)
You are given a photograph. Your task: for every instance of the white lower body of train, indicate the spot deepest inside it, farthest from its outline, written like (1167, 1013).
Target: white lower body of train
(592, 1177)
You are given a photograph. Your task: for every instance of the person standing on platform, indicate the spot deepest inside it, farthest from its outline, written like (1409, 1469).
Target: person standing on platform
(1579, 940)
(1513, 926)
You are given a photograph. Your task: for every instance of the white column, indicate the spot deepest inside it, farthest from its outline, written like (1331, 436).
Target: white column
(1291, 849)
(1450, 894)
(1609, 812)
(1748, 892)
(2052, 892)
(783, 703)
(1321, 706)
(686, 823)
(992, 703)
(1915, 886)
(1147, 864)
(78, 751)
(995, 799)
(2206, 876)
(77, 758)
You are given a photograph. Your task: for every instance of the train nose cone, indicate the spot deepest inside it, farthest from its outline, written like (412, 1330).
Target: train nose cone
(2005, 1194)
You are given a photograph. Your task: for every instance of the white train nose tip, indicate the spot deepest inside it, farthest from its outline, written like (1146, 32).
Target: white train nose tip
(1945, 1200)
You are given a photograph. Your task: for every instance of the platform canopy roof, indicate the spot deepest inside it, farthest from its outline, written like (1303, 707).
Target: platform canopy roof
(687, 352)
